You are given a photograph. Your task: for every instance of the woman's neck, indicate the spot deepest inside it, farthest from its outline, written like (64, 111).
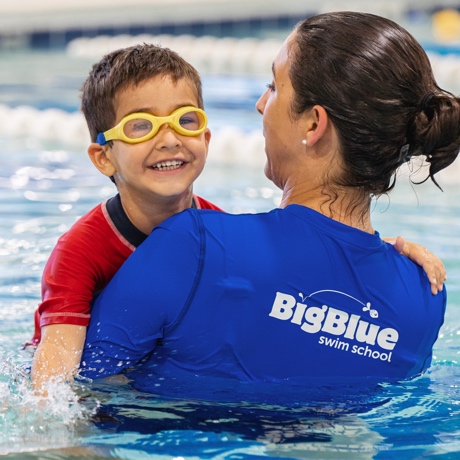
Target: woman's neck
(345, 205)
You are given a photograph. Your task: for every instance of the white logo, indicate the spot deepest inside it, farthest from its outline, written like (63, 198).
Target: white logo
(339, 324)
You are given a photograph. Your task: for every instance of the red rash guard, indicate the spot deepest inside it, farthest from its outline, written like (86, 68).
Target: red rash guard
(84, 260)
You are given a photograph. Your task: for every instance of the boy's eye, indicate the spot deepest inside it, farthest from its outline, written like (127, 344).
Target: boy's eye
(137, 128)
(142, 125)
(190, 120)
(271, 87)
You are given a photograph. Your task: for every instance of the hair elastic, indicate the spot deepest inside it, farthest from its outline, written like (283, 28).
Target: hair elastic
(426, 100)
(404, 155)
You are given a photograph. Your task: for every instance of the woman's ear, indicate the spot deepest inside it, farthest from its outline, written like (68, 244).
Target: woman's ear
(100, 156)
(316, 125)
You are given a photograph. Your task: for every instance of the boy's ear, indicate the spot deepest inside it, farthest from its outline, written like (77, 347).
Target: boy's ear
(207, 139)
(100, 158)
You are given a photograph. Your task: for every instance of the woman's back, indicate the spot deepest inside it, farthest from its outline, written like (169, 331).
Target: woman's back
(289, 295)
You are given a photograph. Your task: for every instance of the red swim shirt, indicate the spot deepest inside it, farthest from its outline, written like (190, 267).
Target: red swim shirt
(84, 260)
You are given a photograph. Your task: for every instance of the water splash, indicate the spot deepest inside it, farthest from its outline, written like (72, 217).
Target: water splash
(29, 422)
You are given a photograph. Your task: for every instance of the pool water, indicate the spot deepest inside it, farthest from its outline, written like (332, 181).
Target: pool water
(45, 185)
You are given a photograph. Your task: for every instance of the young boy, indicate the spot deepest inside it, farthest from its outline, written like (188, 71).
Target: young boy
(143, 106)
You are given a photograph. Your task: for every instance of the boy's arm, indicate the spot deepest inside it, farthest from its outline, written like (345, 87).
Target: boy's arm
(58, 355)
(433, 266)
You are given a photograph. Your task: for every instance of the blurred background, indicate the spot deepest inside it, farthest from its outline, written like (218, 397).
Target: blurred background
(53, 23)
(48, 47)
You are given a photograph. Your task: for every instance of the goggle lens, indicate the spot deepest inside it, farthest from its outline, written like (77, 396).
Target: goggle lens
(134, 129)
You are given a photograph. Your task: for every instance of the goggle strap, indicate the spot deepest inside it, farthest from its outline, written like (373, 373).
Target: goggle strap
(100, 139)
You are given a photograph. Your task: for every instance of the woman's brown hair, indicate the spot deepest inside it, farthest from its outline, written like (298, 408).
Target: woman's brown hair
(377, 85)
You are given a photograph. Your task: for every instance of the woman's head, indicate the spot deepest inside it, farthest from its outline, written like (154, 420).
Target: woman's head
(377, 86)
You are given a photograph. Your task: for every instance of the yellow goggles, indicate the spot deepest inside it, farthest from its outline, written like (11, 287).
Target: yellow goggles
(141, 126)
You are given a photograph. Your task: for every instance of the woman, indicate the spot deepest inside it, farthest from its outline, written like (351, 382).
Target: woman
(308, 291)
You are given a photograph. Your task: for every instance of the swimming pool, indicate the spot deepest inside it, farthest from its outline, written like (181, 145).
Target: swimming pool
(46, 182)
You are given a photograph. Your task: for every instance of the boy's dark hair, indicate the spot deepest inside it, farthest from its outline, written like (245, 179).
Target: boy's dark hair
(129, 66)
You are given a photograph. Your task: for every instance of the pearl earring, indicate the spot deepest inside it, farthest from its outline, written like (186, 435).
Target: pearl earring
(304, 141)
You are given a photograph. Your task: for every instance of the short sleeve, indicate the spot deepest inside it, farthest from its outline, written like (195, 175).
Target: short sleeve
(146, 297)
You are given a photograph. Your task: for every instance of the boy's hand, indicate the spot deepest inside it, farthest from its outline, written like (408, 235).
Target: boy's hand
(58, 355)
(420, 255)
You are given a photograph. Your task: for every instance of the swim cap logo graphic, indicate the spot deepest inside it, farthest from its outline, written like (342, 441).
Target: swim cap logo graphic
(339, 324)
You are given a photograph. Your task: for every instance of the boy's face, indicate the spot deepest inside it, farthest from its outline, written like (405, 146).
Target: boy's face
(161, 169)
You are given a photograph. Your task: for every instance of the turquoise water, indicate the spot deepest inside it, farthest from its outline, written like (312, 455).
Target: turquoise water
(46, 185)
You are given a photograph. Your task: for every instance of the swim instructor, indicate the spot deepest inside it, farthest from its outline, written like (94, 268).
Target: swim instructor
(309, 290)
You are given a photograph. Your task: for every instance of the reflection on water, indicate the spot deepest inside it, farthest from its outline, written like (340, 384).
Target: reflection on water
(218, 429)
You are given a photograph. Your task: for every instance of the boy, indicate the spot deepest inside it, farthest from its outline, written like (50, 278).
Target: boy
(143, 106)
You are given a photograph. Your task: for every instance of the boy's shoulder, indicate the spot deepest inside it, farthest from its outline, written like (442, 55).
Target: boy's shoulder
(90, 225)
(95, 240)
(201, 203)
(94, 214)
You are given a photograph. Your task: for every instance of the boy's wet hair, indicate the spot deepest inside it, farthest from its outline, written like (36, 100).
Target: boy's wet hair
(129, 66)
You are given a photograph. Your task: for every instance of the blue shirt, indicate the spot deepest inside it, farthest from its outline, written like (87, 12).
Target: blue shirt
(285, 296)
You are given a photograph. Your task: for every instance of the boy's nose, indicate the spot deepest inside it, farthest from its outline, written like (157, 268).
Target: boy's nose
(167, 138)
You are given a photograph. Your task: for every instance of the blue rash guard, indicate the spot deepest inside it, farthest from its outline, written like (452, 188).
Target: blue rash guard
(284, 296)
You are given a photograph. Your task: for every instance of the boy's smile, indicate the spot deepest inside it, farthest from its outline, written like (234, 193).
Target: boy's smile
(168, 165)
